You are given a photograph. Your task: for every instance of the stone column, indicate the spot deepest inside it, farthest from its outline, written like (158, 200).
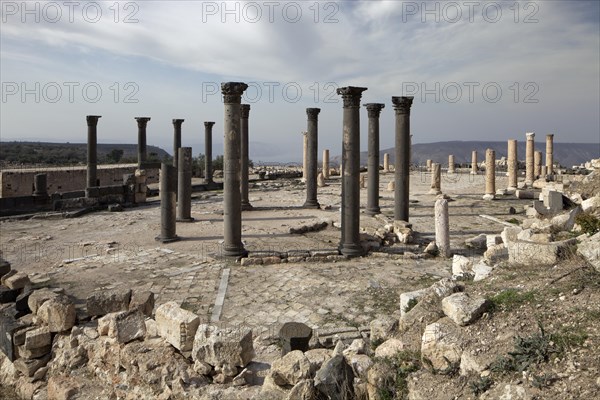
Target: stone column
(451, 169)
(311, 136)
(92, 154)
(168, 187)
(244, 165)
(232, 213)
(513, 166)
(428, 164)
(184, 185)
(304, 155)
(537, 163)
(543, 171)
(373, 111)
(350, 241)
(142, 153)
(550, 154)
(490, 175)
(529, 159)
(402, 173)
(436, 179)
(442, 227)
(386, 162)
(208, 169)
(40, 185)
(474, 162)
(326, 164)
(176, 140)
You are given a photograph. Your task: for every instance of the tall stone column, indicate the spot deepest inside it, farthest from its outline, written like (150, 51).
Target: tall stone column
(350, 242)
(490, 175)
(442, 227)
(513, 166)
(326, 163)
(208, 169)
(304, 155)
(184, 185)
(244, 165)
(550, 154)
(142, 152)
(312, 134)
(373, 111)
(386, 162)
(543, 171)
(436, 179)
(451, 169)
(474, 162)
(176, 140)
(40, 185)
(92, 153)
(428, 164)
(232, 213)
(537, 163)
(168, 187)
(529, 159)
(402, 172)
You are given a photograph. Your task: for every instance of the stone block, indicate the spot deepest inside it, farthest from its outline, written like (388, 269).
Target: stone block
(294, 336)
(128, 326)
(38, 297)
(531, 253)
(28, 367)
(33, 353)
(461, 265)
(8, 295)
(223, 346)
(383, 328)
(389, 348)
(18, 280)
(464, 309)
(37, 337)
(409, 299)
(589, 249)
(108, 301)
(4, 267)
(176, 325)
(143, 301)
(58, 313)
(62, 387)
(441, 345)
(291, 368)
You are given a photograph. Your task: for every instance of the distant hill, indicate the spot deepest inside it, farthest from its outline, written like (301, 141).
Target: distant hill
(567, 154)
(69, 153)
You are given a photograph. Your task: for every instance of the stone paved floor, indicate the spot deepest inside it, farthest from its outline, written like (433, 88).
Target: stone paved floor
(106, 250)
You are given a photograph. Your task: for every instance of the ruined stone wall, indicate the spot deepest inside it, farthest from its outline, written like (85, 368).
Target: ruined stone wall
(19, 182)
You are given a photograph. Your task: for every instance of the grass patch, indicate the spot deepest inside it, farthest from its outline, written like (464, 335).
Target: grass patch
(404, 364)
(589, 223)
(513, 221)
(481, 385)
(510, 299)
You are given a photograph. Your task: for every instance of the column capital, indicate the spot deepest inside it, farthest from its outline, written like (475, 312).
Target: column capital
(245, 111)
(313, 113)
(530, 135)
(142, 121)
(550, 136)
(374, 109)
(232, 91)
(178, 122)
(351, 95)
(92, 120)
(208, 124)
(402, 104)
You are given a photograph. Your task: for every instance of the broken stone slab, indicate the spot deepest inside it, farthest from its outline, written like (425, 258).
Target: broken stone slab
(105, 322)
(128, 326)
(176, 325)
(383, 328)
(328, 337)
(291, 368)
(410, 299)
(496, 253)
(481, 271)
(441, 347)
(223, 346)
(314, 227)
(592, 204)
(143, 301)
(530, 253)
(525, 194)
(491, 240)
(18, 280)
(589, 249)
(389, 349)
(510, 234)
(37, 337)
(58, 313)
(477, 242)
(108, 301)
(317, 357)
(294, 336)
(334, 378)
(33, 353)
(28, 367)
(38, 297)
(461, 265)
(566, 222)
(360, 364)
(464, 309)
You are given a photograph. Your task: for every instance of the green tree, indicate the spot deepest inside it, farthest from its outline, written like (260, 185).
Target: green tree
(115, 156)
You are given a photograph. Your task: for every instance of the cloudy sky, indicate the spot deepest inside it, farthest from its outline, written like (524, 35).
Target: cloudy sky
(478, 70)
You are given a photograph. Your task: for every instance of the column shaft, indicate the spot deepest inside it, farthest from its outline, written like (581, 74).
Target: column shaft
(176, 140)
(442, 227)
(168, 203)
(473, 162)
(373, 112)
(550, 154)
(208, 169)
(402, 172)
(490, 175)
(529, 159)
(244, 165)
(436, 179)
(311, 157)
(451, 164)
(184, 184)
(142, 152)
(326, 164)
(513, 166)
(92, 153)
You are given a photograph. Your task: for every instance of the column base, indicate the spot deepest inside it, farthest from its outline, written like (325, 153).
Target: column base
(208, 182)
(489, 197)
(190, 219)
(167, 240)
(473, 172)
(234, 251)
(351, 249)
(435, 192)
(247, 207)
(373, 211)
(311, 204)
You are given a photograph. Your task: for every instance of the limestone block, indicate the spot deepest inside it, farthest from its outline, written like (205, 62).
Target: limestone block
(461, 265)
(38, 337)
(58, 313)
(108, 301)
(18, 280)
(441, 345)
(291, 368)
(128, 326)
(143, 301)
(590, 250)
(389, 348)
(531, 253)
(223, 346)
(38, 297)
(464, 309)
(409, 299)
(176, 325)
